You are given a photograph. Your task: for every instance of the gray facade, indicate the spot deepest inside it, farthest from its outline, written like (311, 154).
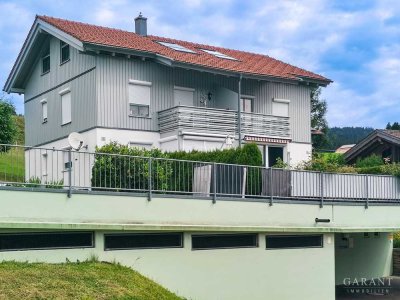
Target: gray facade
(99, 90)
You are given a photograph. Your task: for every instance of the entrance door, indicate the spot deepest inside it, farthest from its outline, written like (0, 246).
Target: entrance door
(273, 154)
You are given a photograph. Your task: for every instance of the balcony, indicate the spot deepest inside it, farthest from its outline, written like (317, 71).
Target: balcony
(220, 121)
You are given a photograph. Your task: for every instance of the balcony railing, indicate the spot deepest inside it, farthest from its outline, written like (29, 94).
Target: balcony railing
(221, 121)
(71, 171)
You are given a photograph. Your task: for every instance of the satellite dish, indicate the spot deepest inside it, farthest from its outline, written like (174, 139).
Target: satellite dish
(75, 140)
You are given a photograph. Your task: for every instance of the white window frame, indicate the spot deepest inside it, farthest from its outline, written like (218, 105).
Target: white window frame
(62, 46)
(142, 103)
(62, 94)
(44, 104)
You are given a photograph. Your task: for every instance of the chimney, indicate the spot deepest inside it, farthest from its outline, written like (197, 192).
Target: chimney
(141, 25)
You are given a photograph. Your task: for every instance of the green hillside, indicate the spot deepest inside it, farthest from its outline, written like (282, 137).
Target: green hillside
(87, 280)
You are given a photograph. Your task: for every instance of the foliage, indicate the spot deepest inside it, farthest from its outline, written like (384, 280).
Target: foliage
(129, 170)
(325, 162)
(280, 164)
(81, 280)
(338, 136)
(370, 161)
(19, 121)
(12, 165)
(319, 108)
(396, 240)
(7, 124)
(395, 126)
(169, 172)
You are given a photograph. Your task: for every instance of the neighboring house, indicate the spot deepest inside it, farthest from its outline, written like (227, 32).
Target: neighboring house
(344, 148)
(149, 91)
(382, 142)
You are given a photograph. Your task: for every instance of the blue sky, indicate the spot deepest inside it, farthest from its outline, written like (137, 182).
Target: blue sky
(355, 43)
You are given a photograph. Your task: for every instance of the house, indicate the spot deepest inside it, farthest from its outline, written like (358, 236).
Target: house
(344, 148)
(203, 230)
(382, 142)
(150, 91)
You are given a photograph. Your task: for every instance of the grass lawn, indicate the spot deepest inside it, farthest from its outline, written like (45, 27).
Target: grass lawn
(12, 165)
(87, 280)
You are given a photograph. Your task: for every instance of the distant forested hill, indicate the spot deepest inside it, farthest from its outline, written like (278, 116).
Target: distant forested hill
(338, 136)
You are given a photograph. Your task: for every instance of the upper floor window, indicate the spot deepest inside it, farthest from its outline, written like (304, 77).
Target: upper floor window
(139, 98)
(64, 52)
(247, 104)
(46, 60)
(280, 107)
(66, 113)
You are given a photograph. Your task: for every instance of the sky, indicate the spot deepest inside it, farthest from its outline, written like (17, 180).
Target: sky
(356, 43)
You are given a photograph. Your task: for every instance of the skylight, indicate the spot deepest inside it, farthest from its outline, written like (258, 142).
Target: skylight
(176, 47)
(218, 54)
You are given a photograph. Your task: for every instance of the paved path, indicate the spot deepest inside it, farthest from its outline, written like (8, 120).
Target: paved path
(394, 293)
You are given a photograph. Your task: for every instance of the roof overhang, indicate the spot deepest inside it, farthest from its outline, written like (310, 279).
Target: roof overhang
(368, 140)
(39, 27)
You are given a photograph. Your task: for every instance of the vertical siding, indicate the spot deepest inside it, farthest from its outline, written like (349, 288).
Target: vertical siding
(83, 94)
(83, 106)
(58, 74)
(113, 74)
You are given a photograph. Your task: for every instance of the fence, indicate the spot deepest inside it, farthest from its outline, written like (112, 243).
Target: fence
(71, 170)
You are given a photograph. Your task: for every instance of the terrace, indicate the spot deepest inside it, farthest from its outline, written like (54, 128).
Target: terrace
(72, 172)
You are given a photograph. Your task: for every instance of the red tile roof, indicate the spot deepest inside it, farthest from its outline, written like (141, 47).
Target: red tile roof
(246, 63)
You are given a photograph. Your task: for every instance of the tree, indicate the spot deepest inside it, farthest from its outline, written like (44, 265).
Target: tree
(389, 126)
(396, 126)
(7, 123)
(319, 108)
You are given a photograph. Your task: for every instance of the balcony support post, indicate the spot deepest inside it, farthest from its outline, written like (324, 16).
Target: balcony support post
(239, 114)
(366, 192)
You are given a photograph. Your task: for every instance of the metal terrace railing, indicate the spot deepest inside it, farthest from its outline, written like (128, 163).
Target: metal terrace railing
(72, 171)
(222, 121)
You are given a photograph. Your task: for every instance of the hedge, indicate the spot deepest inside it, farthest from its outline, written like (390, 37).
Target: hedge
(129, 169)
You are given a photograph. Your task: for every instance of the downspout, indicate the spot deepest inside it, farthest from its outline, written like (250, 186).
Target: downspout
(239, 115)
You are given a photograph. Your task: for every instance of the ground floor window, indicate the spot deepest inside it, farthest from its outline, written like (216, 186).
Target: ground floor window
(293, 241)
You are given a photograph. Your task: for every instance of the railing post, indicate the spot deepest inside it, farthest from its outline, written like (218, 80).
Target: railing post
(150, 180)
(321, 187)
(271, 188)
(214, 183)
(69, 172)
(366, 192)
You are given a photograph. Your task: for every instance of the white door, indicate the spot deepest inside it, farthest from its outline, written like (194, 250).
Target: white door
(183, 96)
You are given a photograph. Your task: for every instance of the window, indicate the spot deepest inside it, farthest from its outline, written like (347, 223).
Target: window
(45, 240)
(139, 98)
(224, 241)
(183, 96)
(44, 110)
(247, 105)
(64, 52)
(65, 107)
(218, 54)
(280, 107)
(46, 60)
(142, 241)
(293, 241)
(274, 153)
(176, 47)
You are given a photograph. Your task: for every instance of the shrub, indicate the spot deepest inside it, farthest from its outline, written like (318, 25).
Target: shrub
(370, 161)
(129, 169)
(396, 240)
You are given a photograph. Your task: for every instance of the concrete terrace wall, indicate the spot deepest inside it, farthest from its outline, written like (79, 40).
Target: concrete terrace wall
(246, 273)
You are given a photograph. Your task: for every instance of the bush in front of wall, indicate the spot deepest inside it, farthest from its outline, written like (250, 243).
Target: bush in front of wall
(370, 161)
(120, 167)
